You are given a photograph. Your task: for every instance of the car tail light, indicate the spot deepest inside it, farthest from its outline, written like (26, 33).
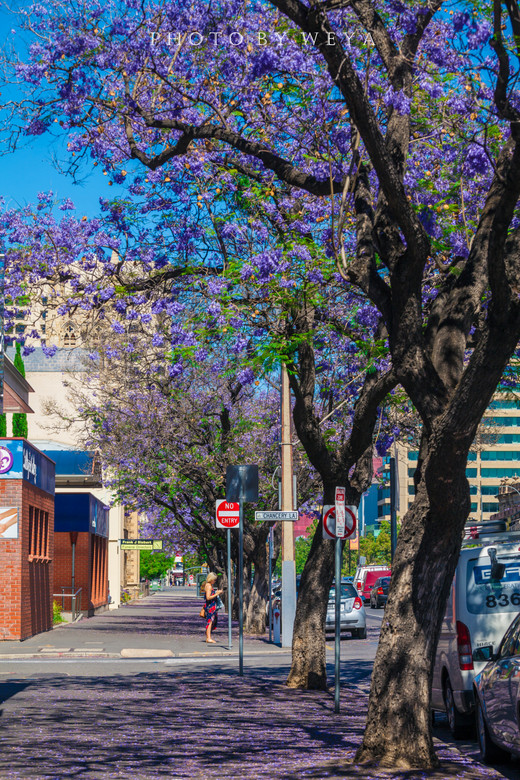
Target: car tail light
(357, 603)
(464, 646)
(380, 591)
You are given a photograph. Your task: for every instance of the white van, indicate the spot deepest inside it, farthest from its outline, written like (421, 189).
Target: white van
(484, 599)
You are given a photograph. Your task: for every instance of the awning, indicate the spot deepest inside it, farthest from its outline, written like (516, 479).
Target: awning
(76, 468)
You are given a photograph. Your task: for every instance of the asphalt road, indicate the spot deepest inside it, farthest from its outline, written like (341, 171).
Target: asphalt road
(94, 704)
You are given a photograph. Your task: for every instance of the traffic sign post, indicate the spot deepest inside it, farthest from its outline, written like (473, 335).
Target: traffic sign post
(228, 517)
(227, 513)
(329, 521)
(241, 483)
(339, 531)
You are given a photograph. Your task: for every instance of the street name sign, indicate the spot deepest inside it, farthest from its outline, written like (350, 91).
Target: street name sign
(227, 513)
(340, 512)
(274, 516)
(141, 544)
(329, 521)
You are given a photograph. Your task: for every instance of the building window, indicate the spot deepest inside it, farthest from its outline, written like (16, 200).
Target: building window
(38, 534)
(500, 455)
(502, 421)
(489, 490)
(499, 473)
(504, 405)
(488, 507)
(69, 336)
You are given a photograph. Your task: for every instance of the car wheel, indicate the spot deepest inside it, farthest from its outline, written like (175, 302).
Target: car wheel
(360, 633)
(458, 724)
(489, 752)
(372, 605)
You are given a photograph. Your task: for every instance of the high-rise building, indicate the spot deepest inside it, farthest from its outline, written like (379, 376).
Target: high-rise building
(496, 456)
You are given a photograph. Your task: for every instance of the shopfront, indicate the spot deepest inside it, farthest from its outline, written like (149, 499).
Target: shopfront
(27, 481)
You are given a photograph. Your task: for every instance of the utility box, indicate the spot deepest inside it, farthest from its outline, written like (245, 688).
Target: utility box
(27, 479)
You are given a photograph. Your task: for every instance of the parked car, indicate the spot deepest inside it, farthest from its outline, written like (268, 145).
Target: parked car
(484, 596)
(366, 576)
(379, 593)
(352, 612)
(497, 697)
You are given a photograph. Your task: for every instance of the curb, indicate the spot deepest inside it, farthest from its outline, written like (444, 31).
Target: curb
(142, 654)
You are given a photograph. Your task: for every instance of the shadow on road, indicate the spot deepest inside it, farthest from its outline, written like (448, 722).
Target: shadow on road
(201, 723)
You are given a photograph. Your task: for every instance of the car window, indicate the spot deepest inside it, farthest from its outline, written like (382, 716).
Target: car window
(385, 580)
(486, 596)
(347, 591)
(510, 644)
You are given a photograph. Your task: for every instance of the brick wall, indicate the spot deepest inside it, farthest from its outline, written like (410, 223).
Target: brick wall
(26, 584)
(91, 568)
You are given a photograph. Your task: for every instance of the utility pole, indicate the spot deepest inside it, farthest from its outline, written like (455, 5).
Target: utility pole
(287, 504)
(393, 508)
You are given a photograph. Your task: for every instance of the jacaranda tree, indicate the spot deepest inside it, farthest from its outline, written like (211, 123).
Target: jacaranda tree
(403, 119)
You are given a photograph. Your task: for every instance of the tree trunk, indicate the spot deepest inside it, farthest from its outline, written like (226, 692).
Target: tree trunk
(398, 732)
(255, 616)
(308, 668)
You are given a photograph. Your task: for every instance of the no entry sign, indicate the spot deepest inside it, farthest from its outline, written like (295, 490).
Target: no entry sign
(228, 513)
(329, 522)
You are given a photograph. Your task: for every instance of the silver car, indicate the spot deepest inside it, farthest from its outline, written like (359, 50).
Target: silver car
(497, 696)
(352, 612)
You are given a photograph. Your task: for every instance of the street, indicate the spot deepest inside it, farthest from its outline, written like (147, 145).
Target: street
(187, 714)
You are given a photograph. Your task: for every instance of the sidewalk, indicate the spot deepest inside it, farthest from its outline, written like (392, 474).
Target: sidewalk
(165, 624)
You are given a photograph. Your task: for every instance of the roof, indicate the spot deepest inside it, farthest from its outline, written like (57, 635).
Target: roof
(16, 389)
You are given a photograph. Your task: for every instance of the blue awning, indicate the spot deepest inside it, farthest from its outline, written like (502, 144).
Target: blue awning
(80, 512)
(76, 467)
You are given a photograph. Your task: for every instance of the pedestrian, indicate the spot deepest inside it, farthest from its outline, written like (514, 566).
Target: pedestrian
(212, 596)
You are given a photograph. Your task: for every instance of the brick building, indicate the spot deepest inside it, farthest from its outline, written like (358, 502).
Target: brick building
(81, 550)
(26, 540)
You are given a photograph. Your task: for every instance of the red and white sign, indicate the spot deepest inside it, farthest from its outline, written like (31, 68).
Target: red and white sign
(228, 513)
(340, 512)
(329, 522)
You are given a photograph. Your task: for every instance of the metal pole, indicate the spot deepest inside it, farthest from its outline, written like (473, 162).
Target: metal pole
(229, 584)
(337, 643)
(73, 566)
(241, 582)
(393, 513)
(287, 504)
(270, 583)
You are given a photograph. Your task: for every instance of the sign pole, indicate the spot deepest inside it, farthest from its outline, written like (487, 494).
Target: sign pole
(339, 507)
(229, 585)
(241, 583)
(337, 645)
(270, 553)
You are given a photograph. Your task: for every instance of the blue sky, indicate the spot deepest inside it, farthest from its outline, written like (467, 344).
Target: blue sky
(31, 169)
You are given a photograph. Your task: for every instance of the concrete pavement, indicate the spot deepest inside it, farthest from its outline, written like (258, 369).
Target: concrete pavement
(165, 624)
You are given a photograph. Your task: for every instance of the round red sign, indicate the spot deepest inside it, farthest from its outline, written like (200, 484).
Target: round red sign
(228, 514)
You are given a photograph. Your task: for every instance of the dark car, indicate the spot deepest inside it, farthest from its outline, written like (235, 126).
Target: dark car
(379, 593)
(497, 696)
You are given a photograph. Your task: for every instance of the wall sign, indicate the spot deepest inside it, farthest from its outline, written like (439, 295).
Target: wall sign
(6, 460)
(8, 522)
